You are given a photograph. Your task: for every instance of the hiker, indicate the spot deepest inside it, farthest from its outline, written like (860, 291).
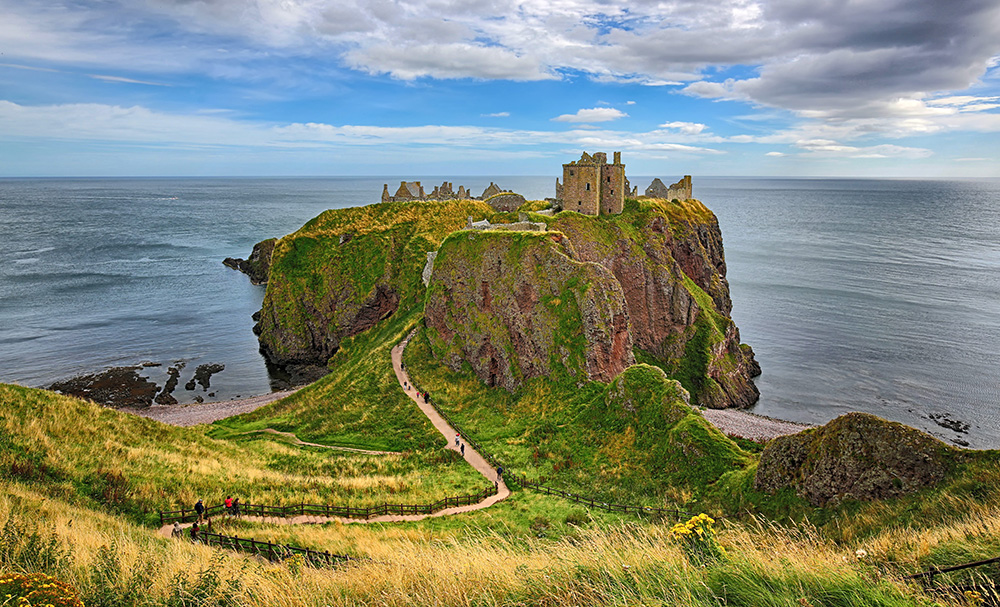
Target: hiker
(457, 436)
(194, 532)
(236, 507)
(200, 509)
(427, 397)
(177, 531)
(463, 449)
(499, 473)
(229, 505)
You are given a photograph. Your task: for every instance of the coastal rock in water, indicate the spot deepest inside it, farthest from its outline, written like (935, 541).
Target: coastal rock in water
(856, 456)
(165, 396)
(203, 375)
(516, 305)
(258, 266)
(116, 387)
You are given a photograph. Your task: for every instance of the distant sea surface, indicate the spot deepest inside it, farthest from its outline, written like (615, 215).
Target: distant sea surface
(857, 295)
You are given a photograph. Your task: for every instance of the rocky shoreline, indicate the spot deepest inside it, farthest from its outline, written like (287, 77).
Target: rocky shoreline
(121, 387)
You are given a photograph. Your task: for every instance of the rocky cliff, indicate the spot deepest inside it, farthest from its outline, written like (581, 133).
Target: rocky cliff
(650, 281)
(516, 305)
(258, 265)
(856, 456)
(668, 258)
(348, 269)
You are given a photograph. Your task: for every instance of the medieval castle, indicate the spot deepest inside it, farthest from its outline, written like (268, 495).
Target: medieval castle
(589, 185)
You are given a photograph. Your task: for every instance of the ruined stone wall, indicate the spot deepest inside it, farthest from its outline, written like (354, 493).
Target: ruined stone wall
(581, 188)
(613, 189)
(506, 202)
(680, 190)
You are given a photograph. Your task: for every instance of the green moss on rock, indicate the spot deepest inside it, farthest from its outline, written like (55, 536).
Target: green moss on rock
(856, 456)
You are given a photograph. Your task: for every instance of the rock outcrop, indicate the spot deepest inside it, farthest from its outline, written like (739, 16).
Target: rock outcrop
(516, 305)
(258, 265)
(856, 456)
(651, 251)
(348, 269)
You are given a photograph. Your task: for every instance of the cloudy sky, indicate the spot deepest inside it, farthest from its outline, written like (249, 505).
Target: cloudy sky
(907, 88)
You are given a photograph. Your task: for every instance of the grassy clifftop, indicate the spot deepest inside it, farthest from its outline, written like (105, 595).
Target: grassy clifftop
(347, 269)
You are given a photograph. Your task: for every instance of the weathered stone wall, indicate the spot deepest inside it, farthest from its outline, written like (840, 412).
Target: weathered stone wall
(506, 202)
(613, 188)
(580, 188)
(680, 190)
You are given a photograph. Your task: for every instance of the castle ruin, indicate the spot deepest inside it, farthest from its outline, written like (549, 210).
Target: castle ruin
(677, 191)
(413, 190)
(592, 186)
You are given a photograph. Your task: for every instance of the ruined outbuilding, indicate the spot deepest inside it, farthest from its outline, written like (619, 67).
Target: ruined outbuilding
(679, 191)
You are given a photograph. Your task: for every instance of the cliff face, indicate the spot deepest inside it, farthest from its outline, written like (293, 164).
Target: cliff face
(857, 456)
(516, 305)
(348, 269)
(668, 258)
(258, 265)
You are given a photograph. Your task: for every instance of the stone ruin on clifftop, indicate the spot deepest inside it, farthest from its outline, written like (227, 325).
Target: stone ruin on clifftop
(593, 187)
(590, 185)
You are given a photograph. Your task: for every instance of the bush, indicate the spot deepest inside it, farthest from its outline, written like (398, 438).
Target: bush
(19, 590)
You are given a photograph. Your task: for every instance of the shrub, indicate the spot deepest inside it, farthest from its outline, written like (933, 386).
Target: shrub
(19, 590)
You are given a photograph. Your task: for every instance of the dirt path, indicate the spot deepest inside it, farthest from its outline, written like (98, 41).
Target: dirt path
(296, 441)
(476, 460)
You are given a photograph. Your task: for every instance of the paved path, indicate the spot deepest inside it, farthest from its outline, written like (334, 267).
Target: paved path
(476, 460)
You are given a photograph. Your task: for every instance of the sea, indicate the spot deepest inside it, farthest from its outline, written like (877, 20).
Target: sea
(880, 296)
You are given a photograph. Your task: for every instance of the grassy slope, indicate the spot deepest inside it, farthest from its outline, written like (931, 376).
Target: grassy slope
(116, 563)
(633, 441)
(102, 458)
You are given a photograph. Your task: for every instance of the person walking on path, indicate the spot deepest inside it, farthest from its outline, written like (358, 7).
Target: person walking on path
(194, 532)
(229, 505)
(457, 437)
(236, 507)
(177, 531)
(499, 473)
(463, 449)
(200, 509)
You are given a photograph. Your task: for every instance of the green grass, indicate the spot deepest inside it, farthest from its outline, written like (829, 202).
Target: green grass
(633, 441)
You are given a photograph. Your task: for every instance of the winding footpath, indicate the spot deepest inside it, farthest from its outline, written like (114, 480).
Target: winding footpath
(471, 456)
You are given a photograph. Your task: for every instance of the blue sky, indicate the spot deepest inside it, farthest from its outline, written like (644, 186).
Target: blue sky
(880, 88)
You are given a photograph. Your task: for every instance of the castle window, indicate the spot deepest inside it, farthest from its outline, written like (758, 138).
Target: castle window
(571, 173)
(588, 187)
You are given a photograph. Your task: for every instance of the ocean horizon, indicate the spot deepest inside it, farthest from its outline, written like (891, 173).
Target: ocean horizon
(877, 295)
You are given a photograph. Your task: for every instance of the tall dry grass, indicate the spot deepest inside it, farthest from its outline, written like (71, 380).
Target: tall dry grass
(626, 564)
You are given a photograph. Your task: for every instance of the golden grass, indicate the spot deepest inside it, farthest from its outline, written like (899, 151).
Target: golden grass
(625, 564)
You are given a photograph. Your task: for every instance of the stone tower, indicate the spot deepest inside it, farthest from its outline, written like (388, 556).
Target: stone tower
(592, 186)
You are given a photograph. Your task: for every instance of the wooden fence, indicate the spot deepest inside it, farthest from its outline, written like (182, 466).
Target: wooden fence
(327, 510)
(271, 551)
(927, 577)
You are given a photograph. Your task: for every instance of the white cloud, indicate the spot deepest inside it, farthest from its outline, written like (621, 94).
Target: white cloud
(105, 78)
(496, 115)
(688, 128)
(776, 154)
(597, 114)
